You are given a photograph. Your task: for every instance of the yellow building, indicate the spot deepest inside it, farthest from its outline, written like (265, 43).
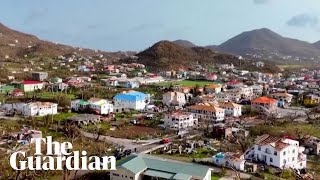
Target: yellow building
(311, 99)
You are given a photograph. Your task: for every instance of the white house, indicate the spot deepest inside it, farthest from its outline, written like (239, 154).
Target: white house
(213, 88)
(100, 106)
(180, 120)
(232, 160)
(33, 108)
(283, 98)
(231, 109)
(278, 152)
(174, 99)
(131, 100)
(211, 114)
(94, 105)
(29, 86)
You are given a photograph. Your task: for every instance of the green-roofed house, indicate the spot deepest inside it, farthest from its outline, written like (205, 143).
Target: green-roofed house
(6, 89)
(146, 167)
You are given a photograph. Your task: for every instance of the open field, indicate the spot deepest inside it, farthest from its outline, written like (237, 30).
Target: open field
(136, 132)
(290, 66)
(51, 95)
(293, 129)
(186, 83)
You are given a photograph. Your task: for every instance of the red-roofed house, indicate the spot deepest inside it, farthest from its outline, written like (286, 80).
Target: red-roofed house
(264, 105)
(29, 86)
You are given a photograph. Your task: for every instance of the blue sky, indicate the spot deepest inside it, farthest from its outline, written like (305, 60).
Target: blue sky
(114, 25)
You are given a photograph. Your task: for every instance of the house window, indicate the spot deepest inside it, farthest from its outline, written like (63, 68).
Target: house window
(259, 148)
(271, 160)
(275, 153)
(292, 158)
(284, 153)
(293, 151)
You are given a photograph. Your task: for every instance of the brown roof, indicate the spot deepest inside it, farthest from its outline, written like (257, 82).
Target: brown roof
(280, 145)
(275, 142)
(213, 86)
(229, 105)
(282, 94)
(267, 139)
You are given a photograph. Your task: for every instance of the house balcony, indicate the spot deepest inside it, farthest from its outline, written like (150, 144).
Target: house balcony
(302, 157)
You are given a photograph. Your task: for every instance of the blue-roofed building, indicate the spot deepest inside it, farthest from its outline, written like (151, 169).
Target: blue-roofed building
(131, 100)
(138, 167)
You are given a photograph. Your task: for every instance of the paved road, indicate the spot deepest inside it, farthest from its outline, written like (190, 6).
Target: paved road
(141, 145)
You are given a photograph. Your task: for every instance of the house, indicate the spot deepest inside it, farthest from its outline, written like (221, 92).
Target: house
(264, 105)
(229, 159)
(184, 89)
(39, 76)
(257, 90)
(231, 109)
(84, 119)
(234, 84)
(6, 89)
(100, 106)
(311, 100)
(231, 132)
(131, 100)
(313, 143)
(174, 99)
(128, 84)
(278, 152)
(33, 108)
(180, 120)
(144, 166)
(207, 113)
(10, 77)
(245, 92)
(211, 77)
(225, 97)
(259, 64)
(59, 86)
(213, 88)
(210, 98)
(30, 86)
(283, 98)
(233, 95)
(79, 105)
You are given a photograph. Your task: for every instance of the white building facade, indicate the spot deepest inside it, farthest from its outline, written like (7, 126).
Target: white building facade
(180, 120)
(278, 152)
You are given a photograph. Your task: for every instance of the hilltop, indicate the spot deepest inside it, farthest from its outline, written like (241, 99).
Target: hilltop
(166, 55)
(185, 43)
(265, 43)
(317, 44)
(16, 45)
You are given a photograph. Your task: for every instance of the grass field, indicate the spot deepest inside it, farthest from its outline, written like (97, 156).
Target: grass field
(291, 129)
(51, 95)
(186, 83)
(290, 66)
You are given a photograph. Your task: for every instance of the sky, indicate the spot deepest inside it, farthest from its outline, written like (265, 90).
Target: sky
(122, 25)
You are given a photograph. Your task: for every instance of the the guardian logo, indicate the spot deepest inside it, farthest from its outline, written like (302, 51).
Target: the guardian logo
(58, 157)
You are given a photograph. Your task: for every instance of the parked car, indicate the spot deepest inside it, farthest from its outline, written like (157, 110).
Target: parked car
(127, 152)
(165, 141)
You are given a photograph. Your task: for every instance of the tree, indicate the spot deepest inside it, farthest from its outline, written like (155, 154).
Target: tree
(72, 131)
(100, 131)
(62, 100)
